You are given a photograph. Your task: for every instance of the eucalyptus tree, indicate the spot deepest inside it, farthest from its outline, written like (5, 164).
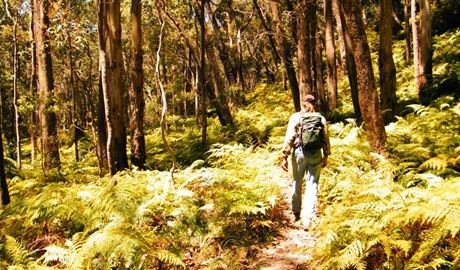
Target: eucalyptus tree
(331, 66)
(286, 52)
(367, 92)
(4, 193)
(306, 28)
(111, 84)
(347, 53)
(15, 56)
(387, 68)
(47, 113)
(426, 50)
(136, 89)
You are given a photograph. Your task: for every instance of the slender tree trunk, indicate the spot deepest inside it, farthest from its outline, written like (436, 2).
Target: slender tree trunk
(286, 52)
(4, 193)
(337, 12)
(224, 51)
(368, 99)
(350, 60)
(319, 76)
(48, 119)
(136, 91)
(202, 75)
(387, 68)
(15, 86)
(305, 48)
(416, 44)
(269, 31)
(331, 67)
(77, 112)
(218, 98)
(111, 64)
(426, 50)
(407, 29)
(33, 87)
(101, 132)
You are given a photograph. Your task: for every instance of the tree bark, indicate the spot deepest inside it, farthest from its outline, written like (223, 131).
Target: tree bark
(111, 64)
(218, 98)
(47, 115)
(387, 68)
(426, 50)
(33, 87)
(77, 114)
(350, 59)
(269, 31)
(286, 52)
(136, 90)
(4, 193)
(202, 75)
(367, 92)
(415, 44)
(332, 99)
(15, 86)
(305, 48)
(407, 29)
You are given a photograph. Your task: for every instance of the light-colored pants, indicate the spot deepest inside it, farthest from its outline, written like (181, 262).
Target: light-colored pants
(308, 163)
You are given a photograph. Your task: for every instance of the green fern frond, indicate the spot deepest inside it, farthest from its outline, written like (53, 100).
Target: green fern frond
(439, 162)
(18, 254)
(168, 257)
(373, 207)
(438, 263)
(247, 209)
(55, 253)
(351, 254)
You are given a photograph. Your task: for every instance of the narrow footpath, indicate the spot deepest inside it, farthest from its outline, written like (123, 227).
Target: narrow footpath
(288, 251)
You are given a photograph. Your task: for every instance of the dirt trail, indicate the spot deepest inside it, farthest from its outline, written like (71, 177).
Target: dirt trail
(287, 252)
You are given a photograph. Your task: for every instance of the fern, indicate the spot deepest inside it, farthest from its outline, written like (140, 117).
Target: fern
(16, 252)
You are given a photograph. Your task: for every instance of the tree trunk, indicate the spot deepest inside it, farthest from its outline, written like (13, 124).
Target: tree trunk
(286, 52)
(339, 20)
(136, 91)
(202, 75)
(319, 76)
(350, 60)
(426, 51)
(331, 67)
(270, 32)
(47, 115)
(224, 51)
(15, 86)
(4, 193)
(387, 68)
(367, 92)
(305, 48)
(77, 113)
(407, 29)
(218, 98)
(111, 64)
(415, 44)
(33, 87)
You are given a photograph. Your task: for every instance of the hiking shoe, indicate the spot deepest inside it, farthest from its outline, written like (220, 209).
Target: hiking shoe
(296, 216)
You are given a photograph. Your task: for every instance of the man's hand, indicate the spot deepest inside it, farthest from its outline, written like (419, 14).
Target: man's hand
(324, 162)
(284, 164)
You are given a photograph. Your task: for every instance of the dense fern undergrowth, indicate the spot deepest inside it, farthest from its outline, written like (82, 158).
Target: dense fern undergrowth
(222, 204)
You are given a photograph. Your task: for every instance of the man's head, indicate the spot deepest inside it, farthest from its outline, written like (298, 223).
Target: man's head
(308, 103)
(309, 98)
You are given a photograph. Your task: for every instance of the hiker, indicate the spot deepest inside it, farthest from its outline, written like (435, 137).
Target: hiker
(305, 160)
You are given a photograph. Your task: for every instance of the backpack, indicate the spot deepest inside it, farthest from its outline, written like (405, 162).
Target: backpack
(311, 132)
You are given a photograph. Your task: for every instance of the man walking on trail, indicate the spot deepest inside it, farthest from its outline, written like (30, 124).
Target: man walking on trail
(307, 142)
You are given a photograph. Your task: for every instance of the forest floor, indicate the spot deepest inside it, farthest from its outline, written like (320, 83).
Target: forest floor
(288, 251)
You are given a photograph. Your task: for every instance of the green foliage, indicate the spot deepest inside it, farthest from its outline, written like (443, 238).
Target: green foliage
(405, 214)
(141, 219)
